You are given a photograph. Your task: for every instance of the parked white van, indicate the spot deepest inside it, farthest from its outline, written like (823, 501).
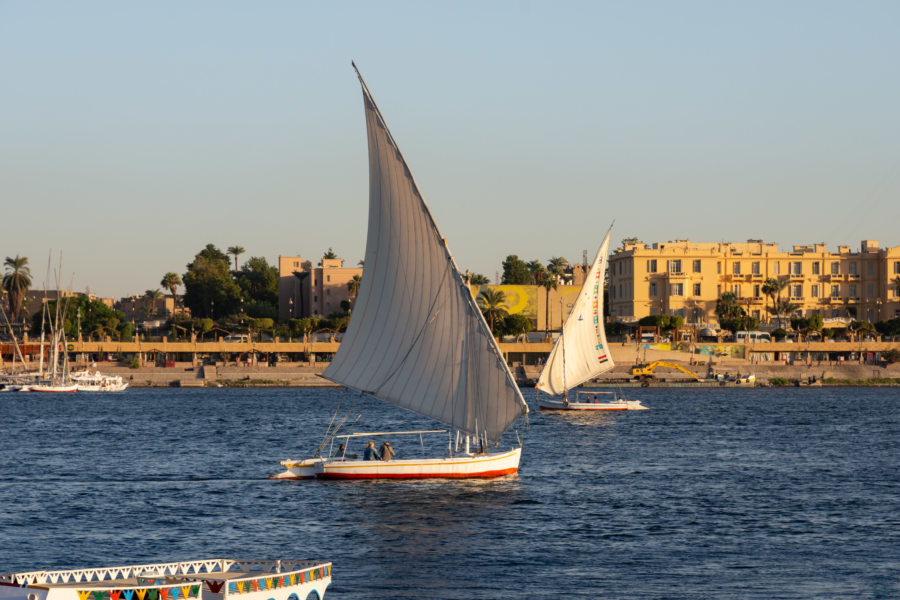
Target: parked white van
(752, 337)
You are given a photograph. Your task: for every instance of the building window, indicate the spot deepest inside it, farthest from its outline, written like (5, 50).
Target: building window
(870, 268)
(796, 268)
(897, 267)
(328, 278)
(835, 313)
(697, 289)
(719, 268)
(676, 289)
(675, 266)
(653, 288)
(815, 268)
(797, 291)
(327, 292)
(814, 291)
(835, 268)
(755, 314)
(835, 291)
(776, 268)
(853, 267)
(697, 266)
(736, 290)
(736, 268)
(754, 267)
(896, 292)
(756, 291)
(870, 291)
(871, 315)
(651, 265)
(853, 291)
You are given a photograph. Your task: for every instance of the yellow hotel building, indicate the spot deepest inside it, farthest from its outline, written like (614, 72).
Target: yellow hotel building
(685, 278)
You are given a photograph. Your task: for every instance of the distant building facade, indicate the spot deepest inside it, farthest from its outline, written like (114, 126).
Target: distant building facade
(686, 278)
(306, 291)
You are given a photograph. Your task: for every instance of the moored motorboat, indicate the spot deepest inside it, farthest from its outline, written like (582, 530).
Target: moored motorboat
(97, 382)
(593, 401)
(209, 579)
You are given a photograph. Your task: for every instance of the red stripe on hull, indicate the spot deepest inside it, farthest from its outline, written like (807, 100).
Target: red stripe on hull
(482, 475)
(580, 409)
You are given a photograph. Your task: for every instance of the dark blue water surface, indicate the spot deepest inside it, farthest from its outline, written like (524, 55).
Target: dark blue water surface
(725, 494)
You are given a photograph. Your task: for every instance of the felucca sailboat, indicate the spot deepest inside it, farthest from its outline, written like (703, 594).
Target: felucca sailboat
(417, 338)
(581, 352)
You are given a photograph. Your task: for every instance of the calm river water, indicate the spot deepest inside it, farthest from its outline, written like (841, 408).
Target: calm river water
(712, 494)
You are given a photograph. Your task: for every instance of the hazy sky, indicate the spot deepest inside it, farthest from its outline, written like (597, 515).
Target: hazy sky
(132, 134)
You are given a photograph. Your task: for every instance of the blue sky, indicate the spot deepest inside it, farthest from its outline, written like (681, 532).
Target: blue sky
(133, 134)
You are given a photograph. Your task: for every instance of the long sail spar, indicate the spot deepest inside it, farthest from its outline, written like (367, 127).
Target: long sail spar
(417, 338)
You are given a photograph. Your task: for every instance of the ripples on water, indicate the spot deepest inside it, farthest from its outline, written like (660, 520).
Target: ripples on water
(726, 494)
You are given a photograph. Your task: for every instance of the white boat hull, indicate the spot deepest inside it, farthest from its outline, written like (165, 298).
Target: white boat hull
(51, 388)
(457, 467)
(583, 406)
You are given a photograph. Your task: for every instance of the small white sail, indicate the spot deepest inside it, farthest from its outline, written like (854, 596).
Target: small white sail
(581, 352)
(416, 338)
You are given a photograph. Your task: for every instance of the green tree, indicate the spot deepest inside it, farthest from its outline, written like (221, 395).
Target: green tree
(258, 282)
(491, 304)
(549, 283)
(515, 271)
(478, 279)
(94, 318)
(772, 290)
(16, 282)
(815, 323)
(171, 281)
(353, 287)
(151, 296)
(537, 271)
(209, 289)
(783, 308)
(330, 254)
(516, 325)
(557, 266)
(235, 251)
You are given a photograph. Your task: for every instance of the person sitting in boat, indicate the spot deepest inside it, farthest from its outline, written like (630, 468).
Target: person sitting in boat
(387, 453)
(341, 453)
(371, 453)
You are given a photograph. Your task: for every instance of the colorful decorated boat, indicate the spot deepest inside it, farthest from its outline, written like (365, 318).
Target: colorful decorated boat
(581, 351)
(211, 579)
(417, 338)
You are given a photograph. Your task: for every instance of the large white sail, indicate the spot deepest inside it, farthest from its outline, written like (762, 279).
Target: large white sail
(416, 338)
(581, 352)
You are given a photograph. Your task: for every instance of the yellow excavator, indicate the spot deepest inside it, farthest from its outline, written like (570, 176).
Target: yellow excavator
(645, 372)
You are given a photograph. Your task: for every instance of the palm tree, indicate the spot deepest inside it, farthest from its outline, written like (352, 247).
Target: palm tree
(478, 279)
(557, 265)
(152, 296)
(537, 271)
(353, 287)
(772, 289)
(783, 307)
(896, 283)
(171, 281)
(16, 282)
(235, 251)
(329, 254)
(491, 304)
(549, 283)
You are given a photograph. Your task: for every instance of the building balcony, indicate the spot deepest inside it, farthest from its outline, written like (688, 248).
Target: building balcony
(853, 300)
